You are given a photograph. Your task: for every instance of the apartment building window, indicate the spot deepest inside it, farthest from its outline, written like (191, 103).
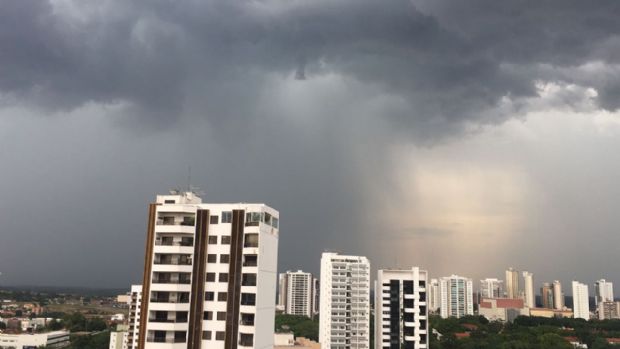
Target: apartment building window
(211, 258)
(221, 315)
(250, 260)
(210, 277)
(159, 336)
(222, 296)
(251, 240)
(213, 240)
(227, 217)
(225, 258)
(209, 296)
(188, 220)
(179, 336)
(220, 335)
(207, 315)
(248, 280)
(214, 219)
(247, 319)
(246, 339)
(248, 299)
(225, 240)
(223, 277)
(206, 335)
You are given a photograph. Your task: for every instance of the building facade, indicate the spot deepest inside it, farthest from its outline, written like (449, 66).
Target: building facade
(491, 288)
(528, 290)
(558, 295)
(456, 296)
(608, 310)
(434, 296)
(56, 339)
(298, 293)
(581, 304)
(512, 283)
(603, 291)
(209, 275)
(345, 302)
(135, 302)
(546, 295)
(401, 312)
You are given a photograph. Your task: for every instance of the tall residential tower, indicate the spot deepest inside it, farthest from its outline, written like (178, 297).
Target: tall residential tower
(209, 275)
(345, 308)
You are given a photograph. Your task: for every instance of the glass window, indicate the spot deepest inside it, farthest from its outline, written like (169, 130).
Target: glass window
(214, 219)
(251, 240)
(248, 299)
(224, 258)
(211, 258)
(222, 296)
(246, 339)
(206, 335)
(219, 335)
(212, 240)
(227, 217)
(225, 240)
(221, 315)
(209, 296)
(275, 222)
(223, 277)
(210, 277)
(207, 315)
(248, 280)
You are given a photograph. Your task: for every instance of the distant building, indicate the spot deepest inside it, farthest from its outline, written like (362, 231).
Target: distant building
(603, 291)
(284, 339)
(135, 301)
(558, 295)
(501, 309)
(608, 310)
(401, 313)
(298, 293)
(512, 283)
(546, 295)
(56, 339)
(434, 296)
(118, 338)
(345, 308)
(491, 288)
(456, 296)
(528, 290)
(550, 313)
(581, 306)
(316, 294)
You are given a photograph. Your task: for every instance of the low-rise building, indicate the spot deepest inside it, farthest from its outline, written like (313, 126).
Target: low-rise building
(56, 339)
(608, 310)
(546, 312)
(501, 309)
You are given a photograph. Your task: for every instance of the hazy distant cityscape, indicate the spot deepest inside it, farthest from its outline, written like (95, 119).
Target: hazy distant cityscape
(210, 281)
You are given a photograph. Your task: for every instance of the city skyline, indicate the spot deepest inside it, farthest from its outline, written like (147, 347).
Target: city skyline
(471, 137)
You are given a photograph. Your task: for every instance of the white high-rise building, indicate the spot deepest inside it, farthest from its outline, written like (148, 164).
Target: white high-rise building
(558, 295)
(209, 276)
(581, 305)
(282, 289)
(528, 290)
(345, 307)
(401, 314)
(434, 296)
(456, 296)
(491, 288)
(316, 295)
(512, 283)
(298, 293)
(135, 302)
(603, 291)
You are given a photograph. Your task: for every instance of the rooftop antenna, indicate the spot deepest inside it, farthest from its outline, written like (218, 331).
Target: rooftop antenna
(189, 178)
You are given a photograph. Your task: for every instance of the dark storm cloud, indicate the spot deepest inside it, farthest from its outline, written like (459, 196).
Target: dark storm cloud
(446, 59)
(216, 84)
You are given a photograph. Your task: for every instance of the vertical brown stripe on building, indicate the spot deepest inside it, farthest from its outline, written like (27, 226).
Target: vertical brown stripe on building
(146, 278)
(234, 280)
(197, 299)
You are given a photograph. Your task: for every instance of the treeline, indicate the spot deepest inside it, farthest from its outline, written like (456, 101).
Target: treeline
(301, 326)
(476, 332)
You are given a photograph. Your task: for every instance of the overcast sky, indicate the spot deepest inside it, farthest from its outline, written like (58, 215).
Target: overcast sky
(459, 136)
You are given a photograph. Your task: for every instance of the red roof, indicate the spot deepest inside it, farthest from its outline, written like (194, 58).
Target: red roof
(470, 327)
(613, 340)
(462, 335)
